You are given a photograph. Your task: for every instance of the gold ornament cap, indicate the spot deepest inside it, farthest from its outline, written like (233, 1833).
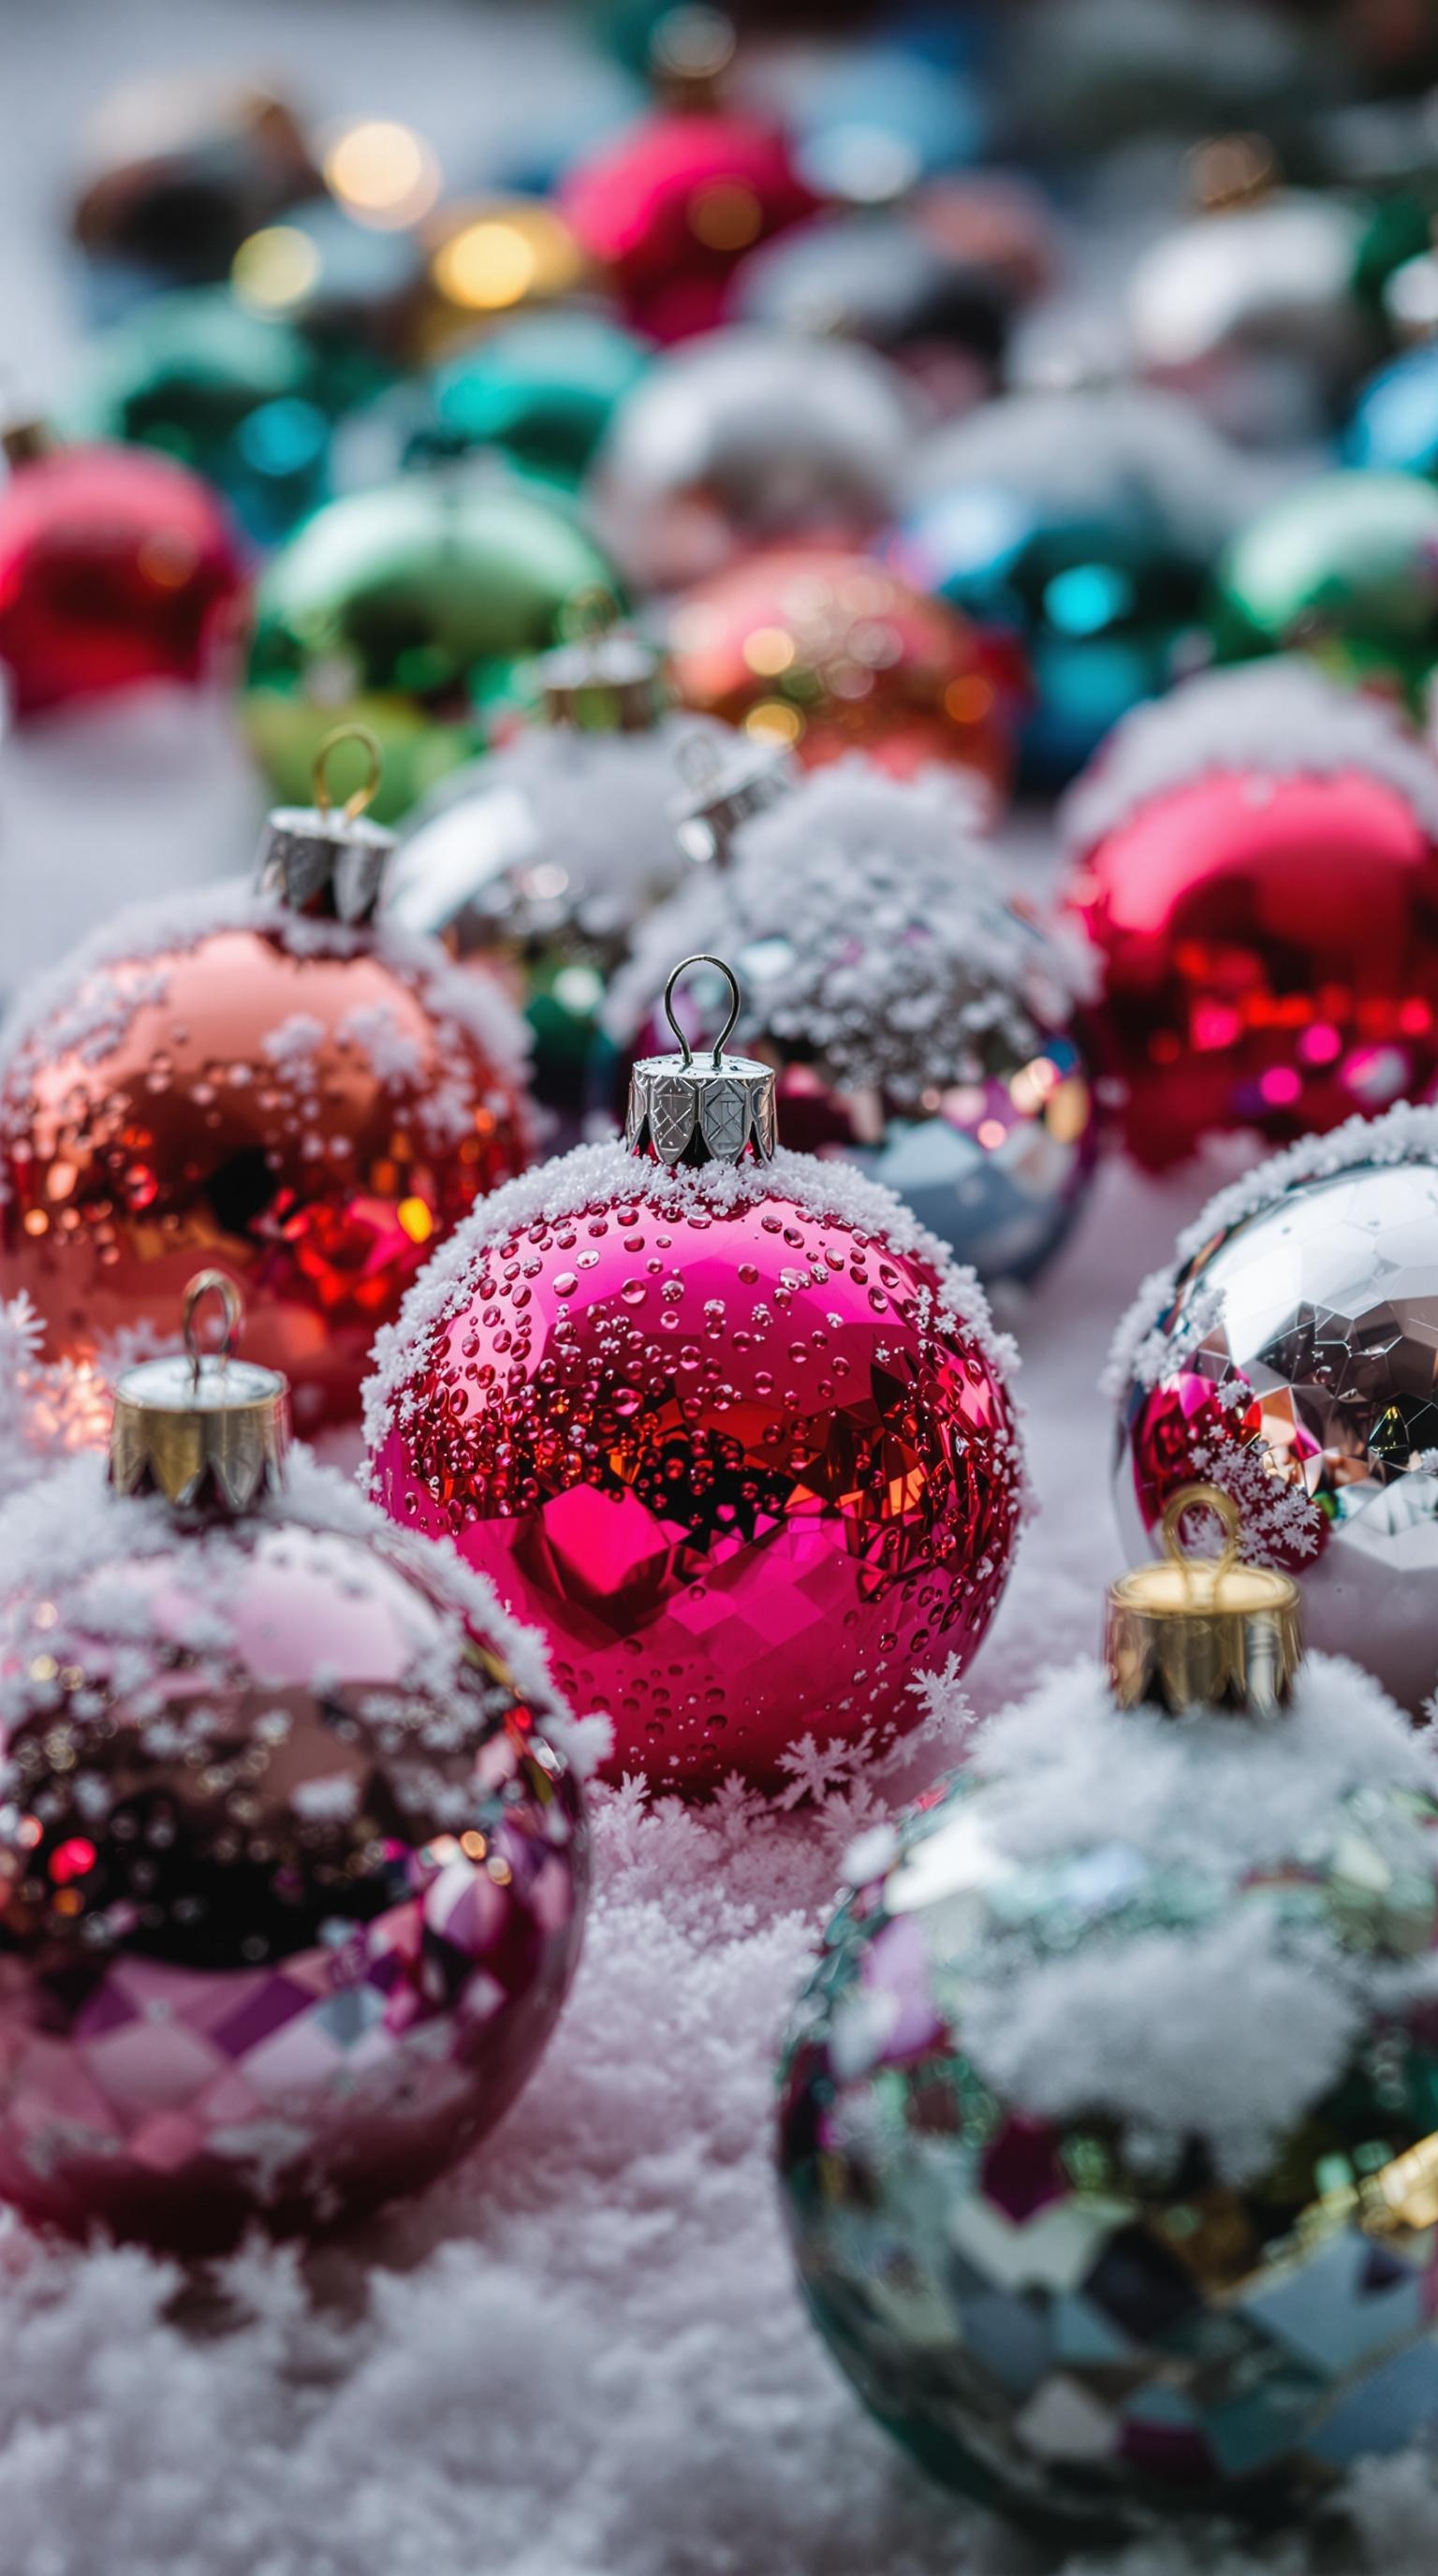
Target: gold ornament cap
(325, 861)
(1200, 1631)
(692, 1110)
(601, 679)
(204, 1427)
(723, 789)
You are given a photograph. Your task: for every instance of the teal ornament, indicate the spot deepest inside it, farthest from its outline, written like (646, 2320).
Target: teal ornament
(541, 389)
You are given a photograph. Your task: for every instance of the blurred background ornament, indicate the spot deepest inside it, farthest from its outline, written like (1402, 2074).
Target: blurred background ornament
(233, 395)
(177, 169)
(668, 208)
(1251, 308)
(827, 651)
(541, 389)
(1106, 2115)
(354, 293)
(294, 1880)
(492, 256)
(1394, 428)
(260, 1079)
(117, 567)
(409, 609)
(1288, 1356)
(919, 1021)
(1256, 861)
(743, 438)
(1079, 529)
(738, 1439)
(1082, 79)
(870, 115)
(541, 860)
(1344, 567)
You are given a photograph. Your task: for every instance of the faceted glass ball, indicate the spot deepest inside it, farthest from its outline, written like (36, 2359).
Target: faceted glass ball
(1270, 955)
(301, 1109)
(116, 567)
(1345, 568)
(408, 609)
(1295, 1362)
(829, 652)
(1078, 2319)
(291, 1884)
(733, 1459)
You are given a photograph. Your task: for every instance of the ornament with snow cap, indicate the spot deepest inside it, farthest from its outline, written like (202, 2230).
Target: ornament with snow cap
(1344, 568)
(262, 1077)
(1079, 526)
(721, 1420)
(921, 1024)
(1107, 2117)
(748, 437)
(542, 859)
(1256, 860)
(293, 1862)
(1290, 1354)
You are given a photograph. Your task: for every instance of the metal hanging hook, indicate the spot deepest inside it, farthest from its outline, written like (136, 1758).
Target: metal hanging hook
(588, 613)
(727, 1031)
(211, 1283)
(368, 788)
(1207, 1498)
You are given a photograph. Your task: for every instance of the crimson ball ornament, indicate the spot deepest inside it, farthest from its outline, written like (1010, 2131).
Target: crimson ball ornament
(1256, 860)
(116, 567)
(1288, 1355)
(722, 1421)
(264, 1079)
(177, 169)
(292, 1858)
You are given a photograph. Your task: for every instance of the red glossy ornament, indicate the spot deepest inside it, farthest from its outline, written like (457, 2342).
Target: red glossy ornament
(670, 209)
(310, 1101)
(116, 566)
(731, 1432)
(827, 651)
(292, 1876)
(1257, 862)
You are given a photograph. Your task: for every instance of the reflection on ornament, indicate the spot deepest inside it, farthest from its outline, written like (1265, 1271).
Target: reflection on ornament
(230, 392)
(1394, 427)
(263, 1080)
(116, 567)
(291, 1881)
(541, 388)
(1345, 568)
(496, 255)
(743, 438)
(382, 173)
(1107, 2116)
(409, 609)
(179, 169)
(1290, 1357)
(827, 652)
(725, 1423)
(1256, 860)
(1080, 528)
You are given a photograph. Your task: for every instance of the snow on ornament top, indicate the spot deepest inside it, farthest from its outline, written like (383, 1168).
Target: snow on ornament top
(1093, 450)
(723, 1420)
(1280, 718)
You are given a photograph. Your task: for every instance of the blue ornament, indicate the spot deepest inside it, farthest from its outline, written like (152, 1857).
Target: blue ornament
(1395, 421)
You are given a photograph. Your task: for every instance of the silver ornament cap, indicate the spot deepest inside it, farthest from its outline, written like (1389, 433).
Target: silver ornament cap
(723, 789)
(698, 1110)
(323, 860)
(601, 679)
(201, 1427)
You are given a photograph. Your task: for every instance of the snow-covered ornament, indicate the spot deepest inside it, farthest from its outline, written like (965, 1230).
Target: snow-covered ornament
(542, 859)
(1107, 2116)
(1256, 860)
(264, 1078)
(292, 1851)
(721, 1420)
(920, 1023)
(1290, 1354)
(1077, 525)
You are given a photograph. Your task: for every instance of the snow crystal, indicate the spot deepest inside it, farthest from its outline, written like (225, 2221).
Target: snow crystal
(1281, 718)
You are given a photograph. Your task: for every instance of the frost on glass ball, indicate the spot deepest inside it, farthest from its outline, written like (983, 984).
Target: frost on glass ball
(1290, 1355)
(292, 1863)
(1107, 2117)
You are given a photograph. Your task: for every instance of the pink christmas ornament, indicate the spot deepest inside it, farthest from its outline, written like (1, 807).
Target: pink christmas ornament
(292, 1861)
(723, 1421)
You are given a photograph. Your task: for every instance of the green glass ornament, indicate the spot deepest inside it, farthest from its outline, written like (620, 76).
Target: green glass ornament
(409, 610)
(234, 395)
(1345, 568)
(541, 388)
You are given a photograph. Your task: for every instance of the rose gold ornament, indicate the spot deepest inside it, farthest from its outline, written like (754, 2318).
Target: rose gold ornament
(723, 1422)
(291, 1879)
(264, 1079)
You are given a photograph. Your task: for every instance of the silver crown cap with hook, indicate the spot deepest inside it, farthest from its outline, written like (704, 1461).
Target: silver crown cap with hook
(683, 1110)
